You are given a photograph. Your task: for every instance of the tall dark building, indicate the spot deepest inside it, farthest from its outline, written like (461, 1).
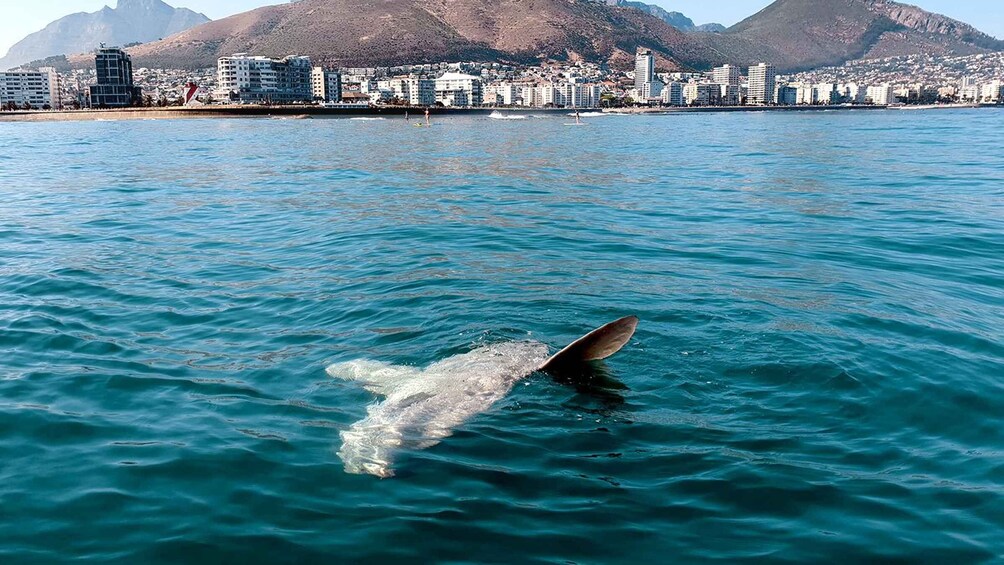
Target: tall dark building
(115, 87)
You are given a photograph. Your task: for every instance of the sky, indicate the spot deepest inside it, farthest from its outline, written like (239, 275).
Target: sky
(27, 17)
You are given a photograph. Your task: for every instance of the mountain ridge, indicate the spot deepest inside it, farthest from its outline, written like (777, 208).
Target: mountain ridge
(675, 19)
(415, 31)
(795, 35)
(129, 22)
(802, 34)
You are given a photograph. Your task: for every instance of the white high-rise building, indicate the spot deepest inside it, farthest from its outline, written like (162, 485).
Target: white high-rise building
(827, 93)
(969, 90)
(786, 95)
(246, 79)
(23, 87)
(881, 95)
(806, 94)
(582, 95)
(592, 95)
(421, 91)
(491, 95)
(644, 68)
(856, 93)
(531, 96)
(458, 89)
(729, 94)
(380, 93)
(414, 91)
(672, 94)
(505, 94)
(992, 92)
(563, 95)
(567, 91)
(326, 85)
(700, 94)
(55, 86)
(726, 74)
(650, 90)
(762, 83)
(551, 95)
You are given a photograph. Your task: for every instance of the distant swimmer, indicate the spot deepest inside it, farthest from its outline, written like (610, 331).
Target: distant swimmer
(420, 407)
(578, 120)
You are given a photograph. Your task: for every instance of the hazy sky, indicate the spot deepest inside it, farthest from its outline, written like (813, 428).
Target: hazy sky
(32, 15)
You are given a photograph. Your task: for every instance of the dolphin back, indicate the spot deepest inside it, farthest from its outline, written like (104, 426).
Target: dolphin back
(597, 344)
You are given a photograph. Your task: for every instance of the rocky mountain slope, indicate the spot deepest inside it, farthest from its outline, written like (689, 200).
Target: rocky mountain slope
(675, 19)
(802, 34)
(793, 34)
(363, 32)
(129, 22)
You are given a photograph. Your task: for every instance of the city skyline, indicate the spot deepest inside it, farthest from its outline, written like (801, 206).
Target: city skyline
(726, 12)
(258, 80)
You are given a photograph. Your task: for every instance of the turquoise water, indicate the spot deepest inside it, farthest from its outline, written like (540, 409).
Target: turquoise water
(817, 375)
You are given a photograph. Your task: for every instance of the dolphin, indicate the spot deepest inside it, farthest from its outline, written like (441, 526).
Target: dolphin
(420, 407)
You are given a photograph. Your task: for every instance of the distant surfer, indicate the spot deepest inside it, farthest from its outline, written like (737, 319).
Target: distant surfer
(578, 120)
(428, 122)
(406, 118)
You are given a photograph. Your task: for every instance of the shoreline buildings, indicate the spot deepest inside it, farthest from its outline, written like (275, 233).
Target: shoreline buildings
(647, 86)
(115, 88)
(458, 89)
(880, 94)
(992, 92)
(410, 90)
(726, 75)
(728, 79)
(253, 79)
(644, 69)
(326, 85)
(21, 88)
(246, 79)
(762, 83)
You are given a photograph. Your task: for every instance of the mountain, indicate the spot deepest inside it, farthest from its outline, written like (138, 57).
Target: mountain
(803, 34)
(675, 19)
(710, 28)
(130, 22)
(793, 34)
(364, 32)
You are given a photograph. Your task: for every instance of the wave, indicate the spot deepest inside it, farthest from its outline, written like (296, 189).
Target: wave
(496, 115)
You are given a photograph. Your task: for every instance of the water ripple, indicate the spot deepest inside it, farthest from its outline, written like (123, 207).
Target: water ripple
(817, 372)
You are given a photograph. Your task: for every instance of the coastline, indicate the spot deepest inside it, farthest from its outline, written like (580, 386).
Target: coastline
(304, 112)
(814, 108)
(261, 112)
(726, 109)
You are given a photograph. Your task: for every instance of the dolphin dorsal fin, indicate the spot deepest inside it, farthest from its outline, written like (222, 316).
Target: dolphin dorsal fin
(597, 344)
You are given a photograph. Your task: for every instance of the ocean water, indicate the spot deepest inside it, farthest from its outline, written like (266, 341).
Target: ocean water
(818, 374)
